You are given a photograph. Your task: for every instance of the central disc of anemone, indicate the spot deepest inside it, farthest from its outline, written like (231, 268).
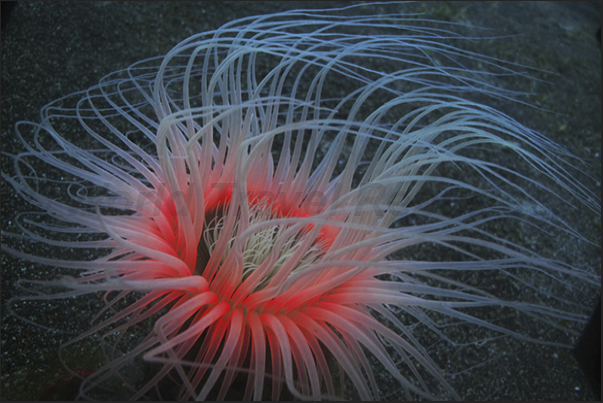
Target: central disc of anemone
(259, 245)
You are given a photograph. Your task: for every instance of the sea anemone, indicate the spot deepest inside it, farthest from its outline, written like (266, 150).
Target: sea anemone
(275, 203)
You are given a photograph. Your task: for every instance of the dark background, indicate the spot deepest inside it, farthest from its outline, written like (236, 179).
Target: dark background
(52, 49)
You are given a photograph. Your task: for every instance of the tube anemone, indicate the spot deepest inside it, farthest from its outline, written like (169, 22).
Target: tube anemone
(272, 205)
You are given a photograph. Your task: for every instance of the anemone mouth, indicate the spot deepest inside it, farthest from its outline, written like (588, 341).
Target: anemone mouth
(259, 244)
